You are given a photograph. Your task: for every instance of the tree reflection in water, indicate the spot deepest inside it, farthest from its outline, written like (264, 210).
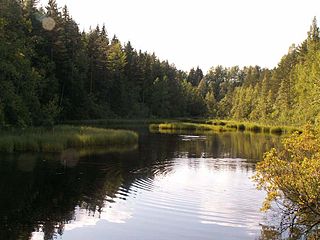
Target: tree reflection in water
(41, 192)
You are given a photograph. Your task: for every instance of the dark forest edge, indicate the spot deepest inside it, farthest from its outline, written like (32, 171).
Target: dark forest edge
(52, 73)
(60, 138)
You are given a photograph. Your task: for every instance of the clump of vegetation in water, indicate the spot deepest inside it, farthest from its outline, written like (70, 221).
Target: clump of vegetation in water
(61, 137)
(221, 126)
(186, 126)
(291, 177)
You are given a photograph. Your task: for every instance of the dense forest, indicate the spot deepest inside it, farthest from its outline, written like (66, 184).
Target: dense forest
(51, 72)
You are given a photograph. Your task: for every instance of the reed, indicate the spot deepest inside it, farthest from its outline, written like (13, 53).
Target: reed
(186, 126)
(62, 137)
(221, 126)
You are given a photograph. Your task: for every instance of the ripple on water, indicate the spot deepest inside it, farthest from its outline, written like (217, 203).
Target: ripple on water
(187, 198)
(209, 191)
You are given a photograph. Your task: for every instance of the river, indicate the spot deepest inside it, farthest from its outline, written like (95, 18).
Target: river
(172, 186)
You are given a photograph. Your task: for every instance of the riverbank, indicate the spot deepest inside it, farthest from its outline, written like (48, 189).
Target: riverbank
(59, 138)
(222, 126)
(192, 124)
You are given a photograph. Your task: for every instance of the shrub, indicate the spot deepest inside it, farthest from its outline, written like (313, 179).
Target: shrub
(291, 177)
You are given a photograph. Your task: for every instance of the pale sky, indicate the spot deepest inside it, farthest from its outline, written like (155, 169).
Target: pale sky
(202, 33)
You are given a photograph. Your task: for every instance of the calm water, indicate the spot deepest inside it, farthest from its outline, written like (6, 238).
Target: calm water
(173, 186)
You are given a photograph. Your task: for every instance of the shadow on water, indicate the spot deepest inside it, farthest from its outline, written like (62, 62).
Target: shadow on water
(41, 192)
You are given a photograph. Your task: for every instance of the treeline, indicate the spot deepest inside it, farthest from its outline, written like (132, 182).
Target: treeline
(51, 72)
(287, 94)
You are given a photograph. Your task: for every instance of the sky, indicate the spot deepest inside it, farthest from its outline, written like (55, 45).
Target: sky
(204, 33)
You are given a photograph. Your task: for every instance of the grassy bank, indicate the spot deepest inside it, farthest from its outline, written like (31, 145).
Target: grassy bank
(192, 124)
(62, 137)
(186, 126)
(222, 126)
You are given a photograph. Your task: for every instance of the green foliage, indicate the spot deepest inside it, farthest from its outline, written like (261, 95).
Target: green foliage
(195, 76)
(55, 73)
(286, 95)
(50, 113)
(291, 177)
(211, 104)
(193, 104)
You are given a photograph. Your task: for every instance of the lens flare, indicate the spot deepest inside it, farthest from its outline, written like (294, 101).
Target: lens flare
(48, 23)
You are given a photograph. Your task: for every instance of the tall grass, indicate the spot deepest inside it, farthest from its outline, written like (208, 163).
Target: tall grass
(186, 126)
(62, 137)
(221, 126)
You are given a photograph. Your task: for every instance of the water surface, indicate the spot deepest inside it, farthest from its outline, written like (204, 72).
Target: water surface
(175, 186)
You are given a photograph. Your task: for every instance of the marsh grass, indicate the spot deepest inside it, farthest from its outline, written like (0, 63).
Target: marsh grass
(62, 137)
(187, 126)
(221, 126)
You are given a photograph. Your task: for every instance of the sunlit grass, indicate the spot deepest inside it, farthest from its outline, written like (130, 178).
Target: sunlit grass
(186, 126)
(62, 137)
(222, 126)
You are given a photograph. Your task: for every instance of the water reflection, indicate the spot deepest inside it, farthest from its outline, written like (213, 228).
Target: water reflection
(172, 186)
(214, 188)
(229, 145)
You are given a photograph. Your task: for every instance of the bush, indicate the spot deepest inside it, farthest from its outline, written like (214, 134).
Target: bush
(291, 177)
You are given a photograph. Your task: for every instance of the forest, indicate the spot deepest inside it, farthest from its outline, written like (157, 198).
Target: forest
(52, 72)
